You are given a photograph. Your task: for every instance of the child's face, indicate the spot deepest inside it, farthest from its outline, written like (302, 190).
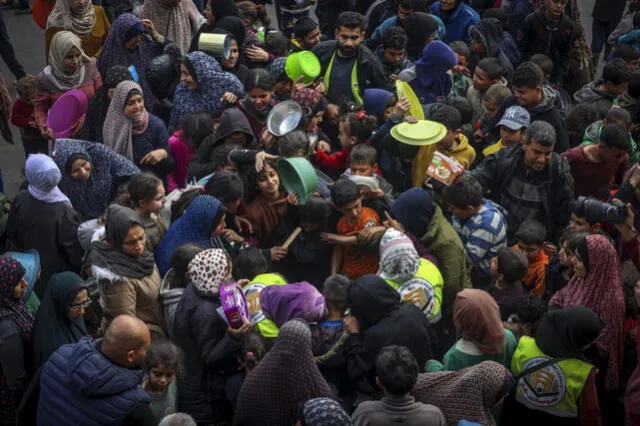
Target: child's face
(578, 266)
(233, 206)
(344, 135)
(580, 224)
(238, 138)
(491, 107)
(511, 137)
(269, 182)
(461, 213)
(528, 97)
(260, 98)
(311, 39)
(155, 204)
(393, 56)
(481, 81)
(220, 226)
(283, 87)
(556, 7)
(160, 378)
(462, 61)
(363, 169)
(478, 47)
(449, 141)
(563, 254)
(352, 211)
(388, 111)
(312, 127)
(530, 250)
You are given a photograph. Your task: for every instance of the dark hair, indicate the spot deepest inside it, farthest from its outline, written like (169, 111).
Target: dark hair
(580, 117)
(249, 263)
(634, 85)
(544, 62)
(530, 308)
(614, 137)
(220, 155)
(460, 48)
(464, 192)
(531, 232)
(143, 187)
(394, 38)
(225, 186)
(618, 114)
(492, 67)
(163, 352)
(276, 43)
(578, 207)
(303, 27)
(578, 244)
(360, 128)
(351, 20)
(253, 176)
(463, 106)
(397, 370)
(259, 78)
(254, 11)
(335, 291)
(498, 93)
(344, 191)
(179, 206)
(195, 127)
(445, 114)
(180, 259)
(253, 350)
(315, 211)
(512, 264)
(416, 5)
(497, 13)
(363, 153)
(630, 276)
(617, 72)
(626, 53)
(528, 75)
(542, 132)
(294, 144)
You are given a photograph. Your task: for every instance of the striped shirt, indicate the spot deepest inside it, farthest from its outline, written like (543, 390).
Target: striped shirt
(483, 235)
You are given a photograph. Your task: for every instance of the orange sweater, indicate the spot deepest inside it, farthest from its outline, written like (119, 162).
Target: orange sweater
(534, 278)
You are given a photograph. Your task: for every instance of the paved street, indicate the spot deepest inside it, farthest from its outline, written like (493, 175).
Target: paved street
(28, 40)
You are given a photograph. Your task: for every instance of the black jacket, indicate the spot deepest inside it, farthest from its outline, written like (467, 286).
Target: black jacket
(370, 70)
(502, 174)
(209, 355)
(163, 75)
(50, 228)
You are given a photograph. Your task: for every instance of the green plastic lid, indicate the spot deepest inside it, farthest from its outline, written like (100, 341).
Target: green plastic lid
(304, 64)
(420, 133)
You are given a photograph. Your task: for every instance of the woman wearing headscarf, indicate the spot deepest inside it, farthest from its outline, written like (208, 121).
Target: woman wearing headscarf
(60, 318)
(128, 279)
(83, 19)
(42, 218)
(132, 42)
(202, 87)
(129, 130)
(477, 316)
(201, 224)
(207, 341)
(596, 285)
(564, 391)
(286, 377)
(69, 68)
(232, 64)
(91, 174)
(323, 412)
(177, 20)
(377, 319)
(16, 326)
(467, 394)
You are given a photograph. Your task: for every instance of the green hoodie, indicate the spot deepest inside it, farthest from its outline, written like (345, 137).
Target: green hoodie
(592, 133)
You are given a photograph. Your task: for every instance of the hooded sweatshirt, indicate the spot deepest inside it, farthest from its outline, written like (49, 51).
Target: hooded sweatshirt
(592, 133)
(489, 32)
(463, 153)
(590, 94)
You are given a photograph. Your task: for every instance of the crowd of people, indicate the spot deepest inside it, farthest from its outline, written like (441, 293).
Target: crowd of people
(458, 244)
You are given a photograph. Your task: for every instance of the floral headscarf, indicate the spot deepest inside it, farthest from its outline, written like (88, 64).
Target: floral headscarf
(61, 43)
(208, 270)
(62, 17)
(11, 272)
(119, 129)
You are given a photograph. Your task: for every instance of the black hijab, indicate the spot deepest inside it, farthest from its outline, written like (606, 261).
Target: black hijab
(370, 299)
(567, 332)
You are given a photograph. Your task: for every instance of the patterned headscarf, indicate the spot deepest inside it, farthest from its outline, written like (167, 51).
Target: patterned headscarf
(61, 43)
(467, 394)
(399, 260)
(276, 68)
(11, 272)
(118, 128)
(477, 314)
(177, 23)
(311, 102)
(213, 83)
(43, 176)
(287, 376)
(208, 270)
(600, 291)
(62, 17)
(324, 412)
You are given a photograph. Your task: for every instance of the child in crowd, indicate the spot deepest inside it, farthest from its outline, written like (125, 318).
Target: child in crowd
(23, 117)
(396, 373)
(466, 114)
(545, 64)
(162, 363)
(182, 144)
(454, 144)
(228, 188)
(284, 85)
(487, 73)
(306, 35)
(250, 354)
(393, 53)
(531, 239)
(560, 268)
(629, 100)
(620, 117)
(147, 197)
(363, 163)
(602, 93)
(507, 269)
(258, 103)
(529, 313)
(255, 18)
(461, 80)
(578, 120)
(480, 224)
(513, 126)
(353, 260)
(486, 131)
(276, 44)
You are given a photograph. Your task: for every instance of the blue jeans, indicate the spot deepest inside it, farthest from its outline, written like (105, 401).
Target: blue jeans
(6, 49)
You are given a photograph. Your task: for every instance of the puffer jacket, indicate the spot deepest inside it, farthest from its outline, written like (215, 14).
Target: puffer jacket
(209, 352)
(163, 75)
(138, 297)
(459, 22)
(590, 94)
(80, 386)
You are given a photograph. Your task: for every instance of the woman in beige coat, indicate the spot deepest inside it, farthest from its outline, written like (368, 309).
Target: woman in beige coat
(128, 279)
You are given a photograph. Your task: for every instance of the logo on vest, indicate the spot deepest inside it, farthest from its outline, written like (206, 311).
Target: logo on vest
(252, 293)
(544, 387)
(419, 292)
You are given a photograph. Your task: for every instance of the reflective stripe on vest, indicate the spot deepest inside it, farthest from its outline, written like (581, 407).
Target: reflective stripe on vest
(553, 389)
(355, 86)
(424, 290)
(266, 327)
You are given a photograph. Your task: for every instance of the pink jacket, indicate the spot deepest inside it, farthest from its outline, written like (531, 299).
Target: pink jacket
(181, 152)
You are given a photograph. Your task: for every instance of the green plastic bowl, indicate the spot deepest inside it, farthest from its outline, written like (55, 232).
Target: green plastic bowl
(304, 64)
(298, 176)
(422, 133)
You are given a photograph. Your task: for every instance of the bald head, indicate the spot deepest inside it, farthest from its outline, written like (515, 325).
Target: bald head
(126, 341)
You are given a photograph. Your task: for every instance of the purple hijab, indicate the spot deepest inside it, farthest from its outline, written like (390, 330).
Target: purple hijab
(296, 300)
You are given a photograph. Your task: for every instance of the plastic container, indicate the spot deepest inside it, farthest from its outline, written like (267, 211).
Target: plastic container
(234, 304)
(303, 64)
(65, 113)
(298, 176)
(218, 45)
(420, 133)
(404, 90)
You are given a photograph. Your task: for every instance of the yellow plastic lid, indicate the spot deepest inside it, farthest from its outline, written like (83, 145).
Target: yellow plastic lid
(421, 133)
(404, 90)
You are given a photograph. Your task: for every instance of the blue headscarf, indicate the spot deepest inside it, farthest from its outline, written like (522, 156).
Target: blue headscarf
(194, 227)
(413, 209)
(213, 83)
(433, 81)
(375, 101)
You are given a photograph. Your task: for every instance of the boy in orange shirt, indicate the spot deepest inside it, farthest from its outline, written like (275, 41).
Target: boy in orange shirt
(530, 237)
(353, 260)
